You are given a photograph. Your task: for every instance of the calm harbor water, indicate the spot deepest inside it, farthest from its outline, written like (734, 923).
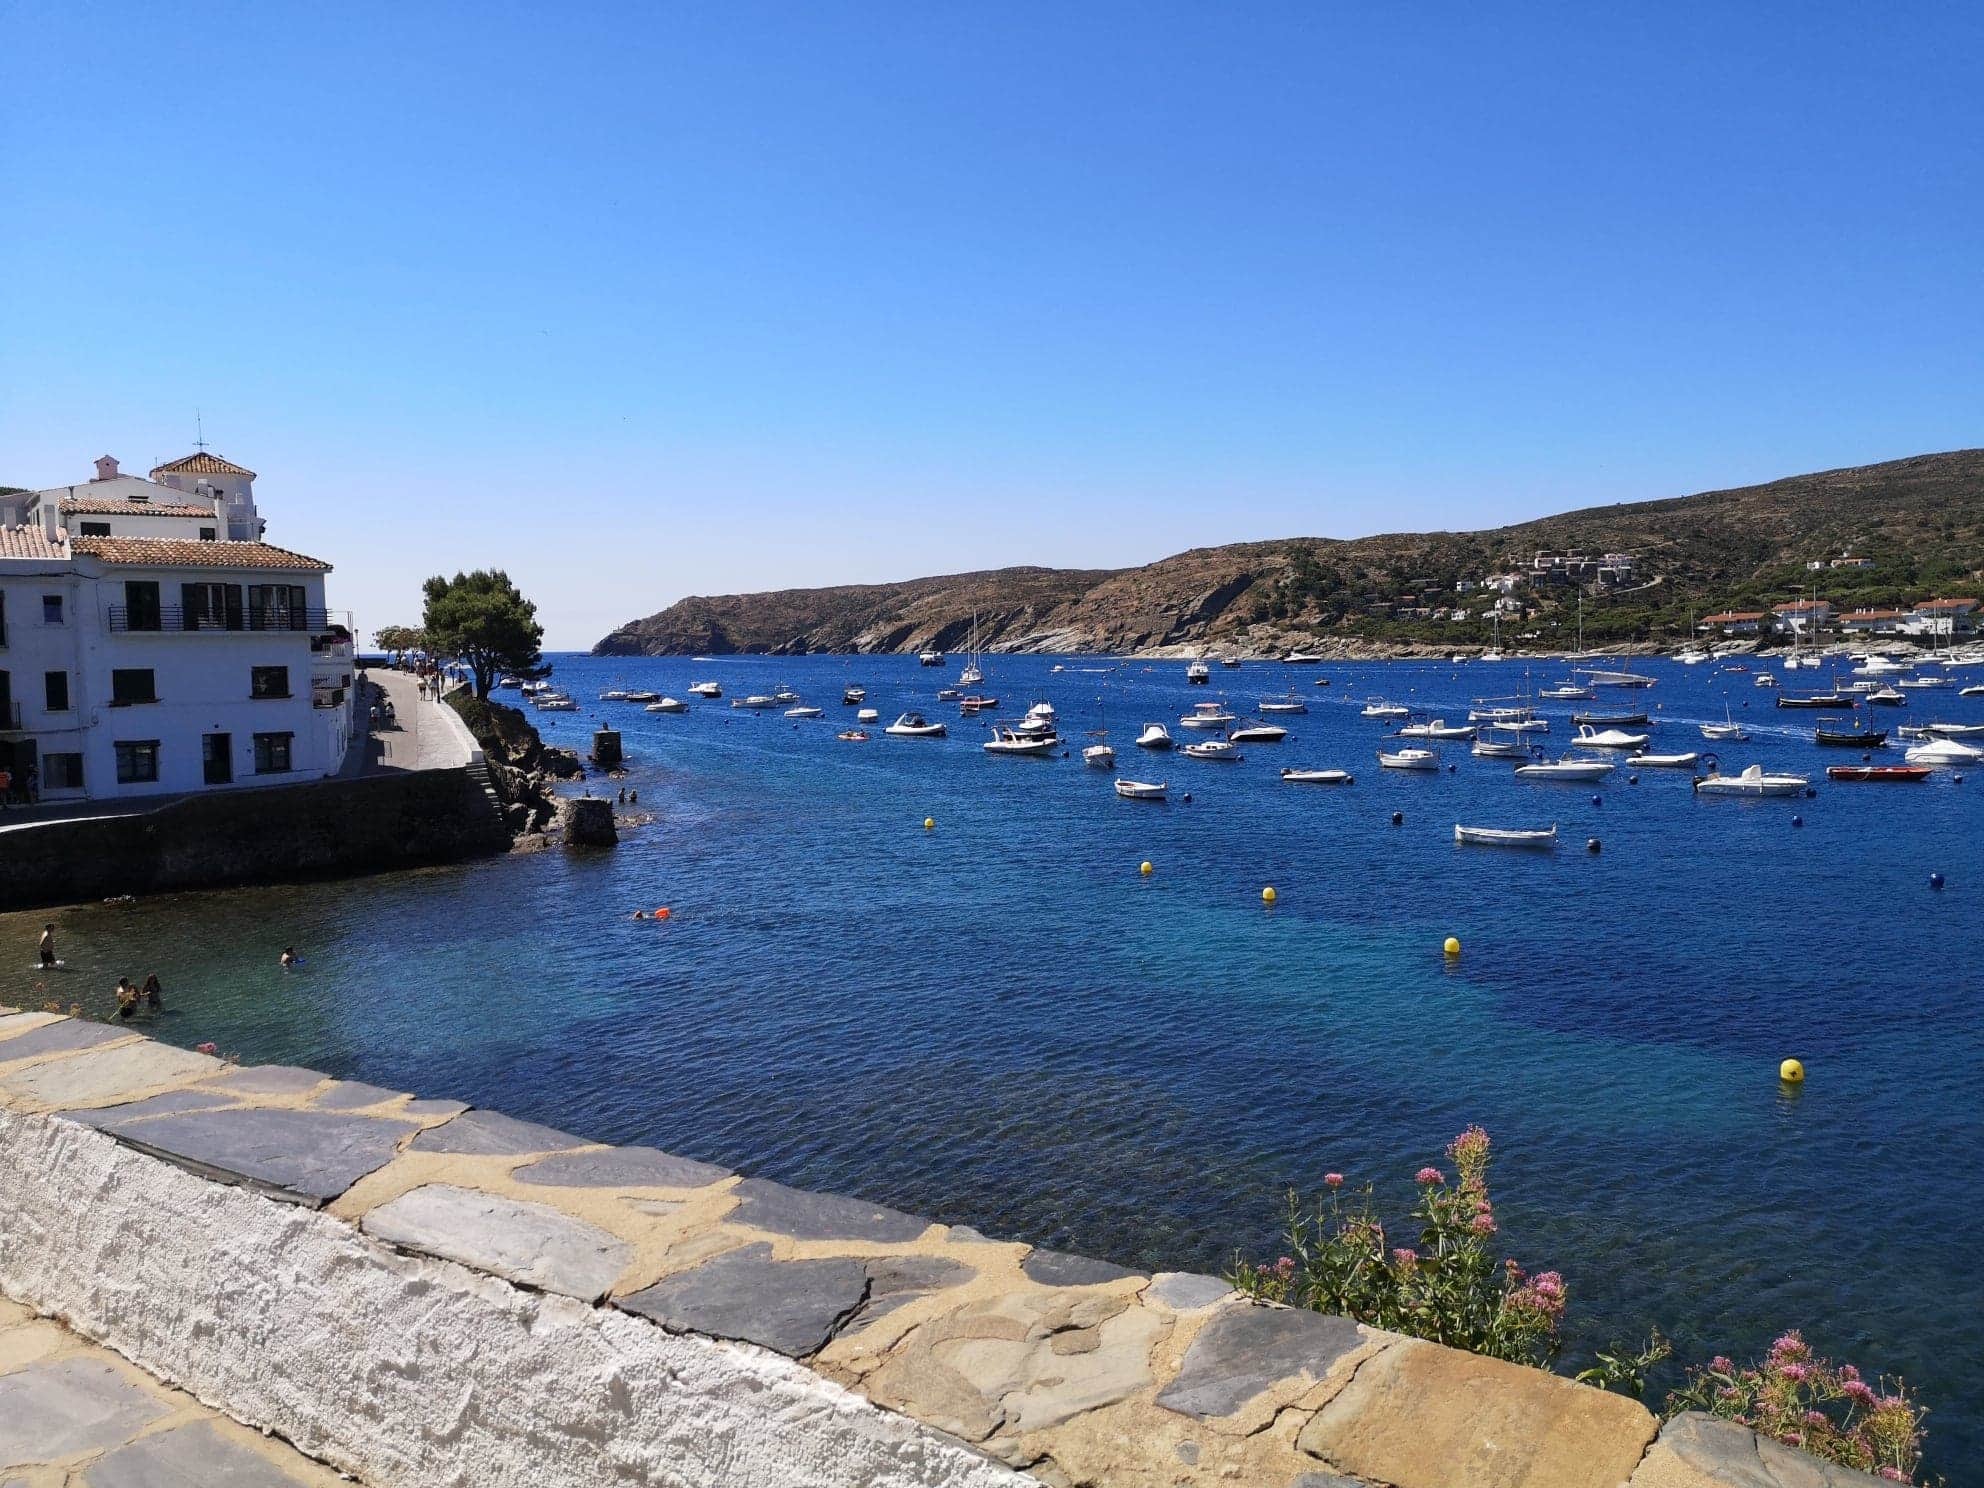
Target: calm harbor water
(999, 1022)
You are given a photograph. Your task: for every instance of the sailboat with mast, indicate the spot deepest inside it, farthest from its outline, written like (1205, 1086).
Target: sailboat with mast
(973, 673)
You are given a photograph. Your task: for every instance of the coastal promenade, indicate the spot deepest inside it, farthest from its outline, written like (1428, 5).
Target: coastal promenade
(425, 734)
(419, 1292)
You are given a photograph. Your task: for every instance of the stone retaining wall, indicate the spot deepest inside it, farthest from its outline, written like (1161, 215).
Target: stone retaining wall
(423, 1294)
(324, 827)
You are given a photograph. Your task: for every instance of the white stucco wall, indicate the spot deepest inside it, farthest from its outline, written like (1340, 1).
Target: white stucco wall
(411, 1372)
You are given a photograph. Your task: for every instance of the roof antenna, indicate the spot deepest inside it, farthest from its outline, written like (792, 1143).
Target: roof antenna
(199, 428)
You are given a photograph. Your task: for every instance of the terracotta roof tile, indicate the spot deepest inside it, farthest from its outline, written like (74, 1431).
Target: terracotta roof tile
(29, 542)
(179, 552)
(201, 464)
(108, 506)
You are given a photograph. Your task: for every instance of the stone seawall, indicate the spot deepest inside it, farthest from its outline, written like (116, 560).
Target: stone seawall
(323, 828)
(421, 1293)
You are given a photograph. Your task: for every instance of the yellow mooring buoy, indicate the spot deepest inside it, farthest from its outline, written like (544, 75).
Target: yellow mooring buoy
(1452, 946)
(1791, 1072)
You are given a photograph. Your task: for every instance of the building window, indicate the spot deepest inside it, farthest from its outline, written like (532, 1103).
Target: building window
(96, 529)
(268, 682)
(272, 753)
(277, 607)
(132, 685)
(55, 691)
(61, 772)
(210, 606)
(141, 606)
(206, 534)
(137, 761)
(51, 609)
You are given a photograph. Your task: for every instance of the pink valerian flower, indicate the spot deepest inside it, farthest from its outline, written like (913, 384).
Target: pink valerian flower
(1483, 1224)
(206, 1048)
(1405, 1255)
(1285, 1267)
(1333, 1180)
(1794, 1372)
(1429, 1176)
(1722, 1364)
(1817, 1418)
(1848, 1373)
(1856, 1389)
(1789, 1347)
(1894, 1475)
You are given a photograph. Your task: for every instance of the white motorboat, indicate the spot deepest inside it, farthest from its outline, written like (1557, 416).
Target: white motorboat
(1764, 679)
(1500, 749)
(1692, 656)
(668, 705)
(1566, 769)
(804, 711)
(643, 696)
(1752, 782)
(868, 715)
(1944, 752)
(931, 657)
(1012, 741)
(1289, 704)
(1099, 757)
(1036, 728)
(1154, 736)
(1206, 716)
(1258, 733)
(1521, 726)
(1498, 714)
(1665, 761)
(1924, 684)
(1302, 658)
(1611, 738)
(1317, 777)
(1140, 790)
(1878, 666)
(1385, 710)
(1618, 679)
(1439, 728)
(1956, 730)
(707, 689)
(1214, 749)
(557, 704)
(1506, 836)
(1568, 692)
(1887, 697)
(1042, 712)
(785, 695)
(1198, 673)
(915, 726)
(1914, 731)
(947, 695)
(613, 695)
(756, 701)
(853, 696)
(1409, 759)
(1972, 692)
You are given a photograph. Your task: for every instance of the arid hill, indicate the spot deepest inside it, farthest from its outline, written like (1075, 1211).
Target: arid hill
(1920, 520)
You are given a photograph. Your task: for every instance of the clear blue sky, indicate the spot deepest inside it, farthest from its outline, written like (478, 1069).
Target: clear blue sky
(654, 299)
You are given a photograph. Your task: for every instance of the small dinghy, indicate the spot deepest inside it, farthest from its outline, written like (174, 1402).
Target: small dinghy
(915, 726)
(1890, 774)
(1259, 733)
(1317, 777)
(1409, 759)
(1665, 761)
(1154, 736)
(1566, 769)
(1506, 836)
(1214, 749)
(868, 715)
(1752, 782)
(1140, 790)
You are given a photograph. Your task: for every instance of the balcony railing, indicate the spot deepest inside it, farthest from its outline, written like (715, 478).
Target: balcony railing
(124, 619)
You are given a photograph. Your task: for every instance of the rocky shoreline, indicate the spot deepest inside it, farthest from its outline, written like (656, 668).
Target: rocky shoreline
(521, 765)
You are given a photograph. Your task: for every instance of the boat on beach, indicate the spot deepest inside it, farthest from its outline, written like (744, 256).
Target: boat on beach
(1506, 836)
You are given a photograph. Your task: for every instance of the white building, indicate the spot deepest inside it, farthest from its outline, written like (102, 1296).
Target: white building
(151, 643)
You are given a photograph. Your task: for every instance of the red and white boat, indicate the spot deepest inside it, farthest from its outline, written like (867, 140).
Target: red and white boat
(1895, 774)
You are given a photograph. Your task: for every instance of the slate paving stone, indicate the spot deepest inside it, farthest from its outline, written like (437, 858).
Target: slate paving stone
(1243, 1350)
(790, 1306)
(492, 1134)
(896, 1280)
(95, 1076)
(433, 1110)
(620, 1167)
(347, 1095)
(59, 1038)
(531, 1244)
(198, 1455)
(801, 1215)
(308, 1157)
(270, 1079)
(70, 1405)
(1183, 1291)
(1058, 1268)
(13, 1022)
(167, 1104)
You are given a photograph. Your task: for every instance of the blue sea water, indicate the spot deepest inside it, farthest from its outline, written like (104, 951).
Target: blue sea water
(1000, 1022)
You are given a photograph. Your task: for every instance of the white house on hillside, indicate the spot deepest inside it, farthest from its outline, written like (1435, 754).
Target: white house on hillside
(150, 642)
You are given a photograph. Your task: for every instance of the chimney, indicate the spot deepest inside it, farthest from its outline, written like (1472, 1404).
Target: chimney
(106, 468)
(51, 518)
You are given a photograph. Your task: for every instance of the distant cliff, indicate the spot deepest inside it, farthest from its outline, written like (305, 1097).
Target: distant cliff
(1920, 520)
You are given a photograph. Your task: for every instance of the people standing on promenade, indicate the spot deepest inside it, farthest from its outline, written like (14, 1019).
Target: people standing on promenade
(127, 997)
(47, 948)
(154, 994)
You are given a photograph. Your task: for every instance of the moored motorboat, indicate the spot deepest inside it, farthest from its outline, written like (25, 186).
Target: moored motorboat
(1889, 774)
(707, 689)
(1566, 769)
(1099, 757)
(1409, 759)
(1258, 733)
(1317, 777)
(1665, 761)
(642, 696)
(1013, 742)
(668, 705)
(976, 703)
(1944, 752)
(915, 726)
(1289, 704)
(1956, 730)
(1154, 736)
(1817, 700)
(853, 696)
(1437, 728)
(804, 710)
(1887, 697)
(1610, 720)
(1753, 781)
(1609, 738)
(931, 657)
(1925, 684)
(1140, 790)
(1567, 692)
(1214, 749)
(1198, 673)
(1850, 738)
(613, 695)
(868, 715)
(1506, 836)
(755, 702)
(1502, 749)
(1206, 716)
(1764, 679)
(1385, 710)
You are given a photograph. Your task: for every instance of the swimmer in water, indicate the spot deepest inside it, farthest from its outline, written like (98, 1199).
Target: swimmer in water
(289, 957)
(47, 946)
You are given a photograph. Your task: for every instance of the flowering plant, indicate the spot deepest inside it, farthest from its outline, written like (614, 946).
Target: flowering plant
(1815, 1405)
(1448, 1288)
